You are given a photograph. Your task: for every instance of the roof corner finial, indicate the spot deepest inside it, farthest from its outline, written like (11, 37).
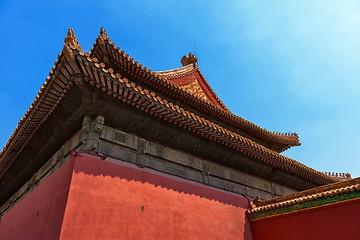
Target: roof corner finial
(255, 202)
(189, 59)
(103, 35)
(71, 40)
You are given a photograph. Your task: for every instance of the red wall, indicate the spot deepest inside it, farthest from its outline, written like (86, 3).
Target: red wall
(89, 198)
(39, 214)
(333, 222)
(113, 201)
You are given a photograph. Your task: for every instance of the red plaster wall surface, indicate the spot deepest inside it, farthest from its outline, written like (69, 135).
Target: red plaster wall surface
(39, 214)
(332, 222)
(113, 201)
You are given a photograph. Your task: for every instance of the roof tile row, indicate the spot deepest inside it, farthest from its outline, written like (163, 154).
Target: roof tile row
(161, 81)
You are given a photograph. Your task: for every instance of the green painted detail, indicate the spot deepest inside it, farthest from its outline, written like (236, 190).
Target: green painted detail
(309, 204)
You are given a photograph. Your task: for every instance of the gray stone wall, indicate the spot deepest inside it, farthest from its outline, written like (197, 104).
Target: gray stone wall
(121, 146)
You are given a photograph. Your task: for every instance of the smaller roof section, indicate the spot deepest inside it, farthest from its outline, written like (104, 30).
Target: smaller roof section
(190, 79)
(336, 193)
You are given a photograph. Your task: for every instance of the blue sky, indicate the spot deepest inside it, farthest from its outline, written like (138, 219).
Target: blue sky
(288, 66)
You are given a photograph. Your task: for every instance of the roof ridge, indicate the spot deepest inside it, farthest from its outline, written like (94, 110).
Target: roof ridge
(190, 66)
(212, 91)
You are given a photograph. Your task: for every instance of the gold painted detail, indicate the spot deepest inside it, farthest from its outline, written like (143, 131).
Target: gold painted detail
(195, 89)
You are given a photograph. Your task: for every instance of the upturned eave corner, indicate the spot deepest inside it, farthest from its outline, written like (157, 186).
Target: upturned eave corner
(103, 36)
(43, 105)
(71, 43)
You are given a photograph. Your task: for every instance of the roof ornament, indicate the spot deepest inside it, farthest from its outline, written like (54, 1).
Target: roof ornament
(255, 203)
(340, 176)
(189, 59)
(71, 41)
(103, 36)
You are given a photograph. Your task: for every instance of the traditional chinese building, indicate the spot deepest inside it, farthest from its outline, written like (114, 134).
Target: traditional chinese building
(112, 150)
